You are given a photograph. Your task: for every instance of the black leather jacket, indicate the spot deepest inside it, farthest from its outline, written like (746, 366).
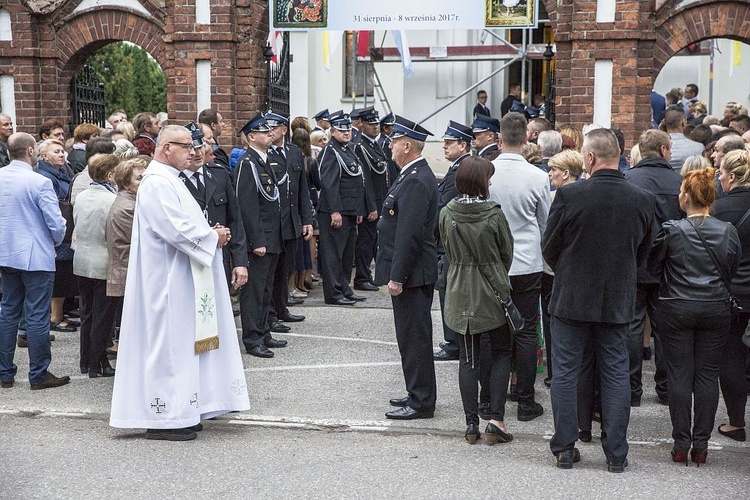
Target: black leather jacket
(686, 269)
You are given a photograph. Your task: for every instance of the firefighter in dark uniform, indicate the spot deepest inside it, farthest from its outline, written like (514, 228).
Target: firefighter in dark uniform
(211, 186)
(485, 130)
(407, 263)
(457, 147)
(357, 124)
(379, 174)
(341, 206)
(288, 164)
(258, 194)
(384, 139)
(322, 122)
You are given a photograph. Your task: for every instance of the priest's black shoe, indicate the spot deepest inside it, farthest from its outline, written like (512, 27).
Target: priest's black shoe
(400, 402)
(408, 413)
(443, 355)
(260, 351)
(279, 327)
(195, 428)
(566, 458)
(356, 298)
(292, 318)
(275, 343)
(341, 302)
(366, 287)
(171, 434)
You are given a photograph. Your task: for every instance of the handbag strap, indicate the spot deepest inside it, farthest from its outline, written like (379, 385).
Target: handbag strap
(474, 258)
(711, 254)
(743, 219)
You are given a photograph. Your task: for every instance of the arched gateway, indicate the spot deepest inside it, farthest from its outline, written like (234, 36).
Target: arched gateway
(214, 45)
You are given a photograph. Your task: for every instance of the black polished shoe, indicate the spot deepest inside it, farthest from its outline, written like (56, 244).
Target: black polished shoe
(49, 382)
(484, 411)
(107, 371)
(171, 434)
(472, 433)
(584, 436)
(292, 318)
(528, 412)
(58, 327)
(566, 458)
(442, 355)
(356, 298)
(195, 428)
(366, 287)
(273, 343)
(400, 402)
(293, 301)
(84, 369)
(341, 302)
(736, 434)
(279, 327)
(408, 413)
(260, 351)
(494, 434)
(617, 468)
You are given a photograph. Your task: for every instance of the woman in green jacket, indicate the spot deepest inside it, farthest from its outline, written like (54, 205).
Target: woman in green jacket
(475, 234)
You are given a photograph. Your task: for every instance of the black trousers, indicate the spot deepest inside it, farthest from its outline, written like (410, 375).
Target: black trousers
(646, 301)
(255, 299)
(337, 255)
(413, 320)
(525, 295)
(364, 251)
(548, 281)
(282, 272)
(98, 315)
(732, 371)
(693, 335)
(471, 347)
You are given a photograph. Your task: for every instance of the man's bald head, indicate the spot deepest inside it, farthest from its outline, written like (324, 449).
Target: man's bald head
(174, 147)
(18, 146)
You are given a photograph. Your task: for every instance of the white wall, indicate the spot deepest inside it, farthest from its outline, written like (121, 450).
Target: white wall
(681, 70)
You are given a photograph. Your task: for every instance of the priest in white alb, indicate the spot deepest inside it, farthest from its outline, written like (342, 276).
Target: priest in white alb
(178, 359)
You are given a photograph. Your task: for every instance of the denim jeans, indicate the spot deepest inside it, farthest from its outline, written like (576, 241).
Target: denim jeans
(29, 293)
(610, 348)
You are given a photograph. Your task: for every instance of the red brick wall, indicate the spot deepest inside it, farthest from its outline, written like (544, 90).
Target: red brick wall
(48, 50)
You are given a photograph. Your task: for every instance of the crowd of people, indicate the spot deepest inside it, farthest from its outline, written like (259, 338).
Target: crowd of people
(530, 230)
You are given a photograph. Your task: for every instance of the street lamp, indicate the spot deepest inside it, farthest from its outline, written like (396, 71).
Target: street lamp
(268, 55)
(549, 97)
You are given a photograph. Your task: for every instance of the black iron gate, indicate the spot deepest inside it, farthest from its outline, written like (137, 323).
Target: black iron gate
(278, 76)
(86, 99)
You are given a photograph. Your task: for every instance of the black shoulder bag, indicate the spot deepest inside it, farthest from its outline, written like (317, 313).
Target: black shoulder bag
(727, 282)
(512, 314)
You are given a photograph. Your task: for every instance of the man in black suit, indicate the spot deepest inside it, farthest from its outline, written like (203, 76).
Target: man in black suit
(485, 130)
(379, 173)
(407, 263)
(213, 119)
(514, 96)
(288, 164)
(211, 186)
(481, 107)
(258, 194)
(598, 232)
(456, 147)
(341, 206)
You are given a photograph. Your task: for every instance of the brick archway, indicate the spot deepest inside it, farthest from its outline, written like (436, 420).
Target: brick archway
(678, 28)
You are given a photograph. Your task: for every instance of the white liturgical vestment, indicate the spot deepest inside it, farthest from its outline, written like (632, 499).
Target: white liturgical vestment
(160, 382)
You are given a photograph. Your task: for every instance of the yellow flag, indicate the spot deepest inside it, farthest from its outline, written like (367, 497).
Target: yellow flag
(736, 56)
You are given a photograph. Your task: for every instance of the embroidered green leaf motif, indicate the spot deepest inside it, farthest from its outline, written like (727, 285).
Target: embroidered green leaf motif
(207, 308)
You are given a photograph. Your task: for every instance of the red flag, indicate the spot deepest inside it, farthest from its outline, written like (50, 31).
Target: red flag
(363, 43)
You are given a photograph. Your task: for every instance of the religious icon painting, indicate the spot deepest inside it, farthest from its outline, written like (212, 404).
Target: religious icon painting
(300, 14)
(511, 13)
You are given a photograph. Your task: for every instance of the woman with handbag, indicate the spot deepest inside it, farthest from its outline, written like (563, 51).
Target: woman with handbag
(696, 258)
(479, 246)
(735, 209)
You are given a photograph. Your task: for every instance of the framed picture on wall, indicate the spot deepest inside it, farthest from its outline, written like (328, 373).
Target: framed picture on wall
(511, 13)
(300, 14)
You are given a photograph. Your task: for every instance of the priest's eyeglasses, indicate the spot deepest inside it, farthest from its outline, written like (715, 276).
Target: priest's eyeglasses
(187, 145)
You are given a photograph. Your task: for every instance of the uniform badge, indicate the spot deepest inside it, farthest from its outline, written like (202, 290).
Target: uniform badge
(391, 212)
